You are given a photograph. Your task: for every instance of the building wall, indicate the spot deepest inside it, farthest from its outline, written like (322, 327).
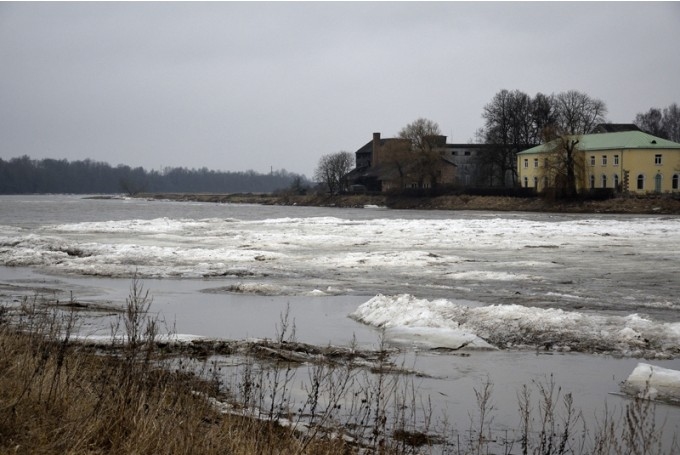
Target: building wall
(655, 168)
(448, 175)
(606, 169)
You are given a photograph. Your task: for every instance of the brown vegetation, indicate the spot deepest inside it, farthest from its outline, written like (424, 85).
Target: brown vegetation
(661, 204)
(138, 396)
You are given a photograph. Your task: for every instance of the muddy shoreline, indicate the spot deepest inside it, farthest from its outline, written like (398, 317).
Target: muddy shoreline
(657, 204)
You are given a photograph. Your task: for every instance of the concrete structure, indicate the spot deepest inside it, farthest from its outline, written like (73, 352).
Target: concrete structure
(472, 164)
(631, 161)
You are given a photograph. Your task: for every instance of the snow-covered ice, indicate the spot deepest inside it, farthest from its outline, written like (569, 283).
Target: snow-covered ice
(653, 382)
(455, 324)
(587, 283)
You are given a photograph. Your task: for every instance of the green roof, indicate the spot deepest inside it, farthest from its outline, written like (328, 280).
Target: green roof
(613, 141)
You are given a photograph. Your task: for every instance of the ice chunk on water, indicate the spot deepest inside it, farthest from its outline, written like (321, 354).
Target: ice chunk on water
(654, 383)
(516, 326)
(436, 338)
(409, 320)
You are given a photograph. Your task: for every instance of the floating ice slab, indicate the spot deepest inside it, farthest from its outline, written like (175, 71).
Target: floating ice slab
(429, 323)
(654, 383)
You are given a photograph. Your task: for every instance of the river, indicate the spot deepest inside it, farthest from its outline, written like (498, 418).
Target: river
(583, 298)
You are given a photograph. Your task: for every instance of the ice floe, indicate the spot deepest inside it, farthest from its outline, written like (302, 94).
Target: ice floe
(654, 383)
(453, 324)
(613, 270)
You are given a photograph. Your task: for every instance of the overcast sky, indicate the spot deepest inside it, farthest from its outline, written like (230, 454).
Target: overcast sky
(238, 86)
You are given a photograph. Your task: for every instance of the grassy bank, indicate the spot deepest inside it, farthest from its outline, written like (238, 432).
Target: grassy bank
(139, 394)
(131, 397)
(626, 205)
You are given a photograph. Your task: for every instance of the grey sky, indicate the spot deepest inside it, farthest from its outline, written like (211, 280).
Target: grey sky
(238, 86)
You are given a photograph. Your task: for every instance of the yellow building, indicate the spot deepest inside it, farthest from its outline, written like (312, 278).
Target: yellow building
(631, 161)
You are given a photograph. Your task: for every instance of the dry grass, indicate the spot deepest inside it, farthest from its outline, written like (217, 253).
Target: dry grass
(57, 397)
(650, 204)
(60, 397)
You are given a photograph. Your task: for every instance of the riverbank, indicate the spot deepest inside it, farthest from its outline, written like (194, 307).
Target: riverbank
(661, 204)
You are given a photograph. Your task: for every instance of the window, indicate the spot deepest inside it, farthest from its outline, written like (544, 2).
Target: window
(536, 182)
(467, 153)
(604, 160)
(675, 182)
(616, 180)
(657, 159)
(526, 163)
(592, 160)
(592, 181)
(454, 153)
(616, 160)
(526, 182)
(604, 181)
(546, 162)
(535, 162)
(640, 182)
(658, 178)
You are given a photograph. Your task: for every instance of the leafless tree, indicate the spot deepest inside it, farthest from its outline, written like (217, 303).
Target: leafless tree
(662, 123)
(426, 139)
(563, 165)
(671, 120)
(399, 155)
(422, 134)
(577, 113)
(512, 122)
(332, 169)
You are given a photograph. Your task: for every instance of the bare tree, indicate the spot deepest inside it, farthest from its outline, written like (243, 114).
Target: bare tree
(543, 116)
(426, 139)
(332, 169)
(512, 122)
(422, 134)
(399, 155)
(664, 124)
(563, 165)
(671, 121)
(651, 122)
(578, 113)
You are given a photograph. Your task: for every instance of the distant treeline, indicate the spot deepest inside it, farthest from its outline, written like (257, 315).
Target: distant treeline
(24, 175)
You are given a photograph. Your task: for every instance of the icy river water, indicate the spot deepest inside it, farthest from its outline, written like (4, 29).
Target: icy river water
(583, 298)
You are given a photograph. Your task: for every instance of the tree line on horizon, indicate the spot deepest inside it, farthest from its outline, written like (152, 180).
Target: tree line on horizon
(24, 175)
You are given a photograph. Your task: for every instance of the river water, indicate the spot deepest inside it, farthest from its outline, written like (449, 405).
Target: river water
(583, 298)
